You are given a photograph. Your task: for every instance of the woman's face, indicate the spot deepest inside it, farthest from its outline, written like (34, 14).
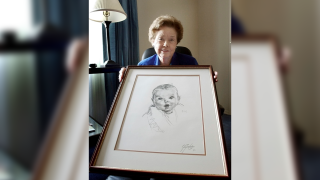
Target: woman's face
(165, 44)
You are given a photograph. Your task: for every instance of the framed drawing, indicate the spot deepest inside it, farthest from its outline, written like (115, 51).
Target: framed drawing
(258, 108)
(164, 121)
(66, 139)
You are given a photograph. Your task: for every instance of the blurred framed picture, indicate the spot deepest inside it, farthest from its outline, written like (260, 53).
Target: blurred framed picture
(164, 121)
(260, 119)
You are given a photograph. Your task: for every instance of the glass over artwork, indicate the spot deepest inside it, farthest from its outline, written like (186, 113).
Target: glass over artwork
(164, 115)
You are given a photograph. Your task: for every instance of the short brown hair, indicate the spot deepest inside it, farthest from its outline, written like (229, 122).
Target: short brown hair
(168, 21)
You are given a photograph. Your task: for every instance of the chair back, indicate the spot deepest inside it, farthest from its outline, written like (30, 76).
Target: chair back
(180, 49)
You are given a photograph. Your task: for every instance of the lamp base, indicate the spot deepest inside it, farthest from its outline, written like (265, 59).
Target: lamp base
(110, 63)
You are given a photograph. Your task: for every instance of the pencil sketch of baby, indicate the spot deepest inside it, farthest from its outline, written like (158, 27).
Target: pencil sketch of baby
(166, 109)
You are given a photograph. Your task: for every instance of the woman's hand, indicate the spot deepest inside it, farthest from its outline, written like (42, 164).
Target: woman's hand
(215, 76)
(75, 54)
(121, 73)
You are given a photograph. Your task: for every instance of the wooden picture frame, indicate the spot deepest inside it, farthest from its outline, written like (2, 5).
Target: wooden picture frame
(261, 121)
(164, 121)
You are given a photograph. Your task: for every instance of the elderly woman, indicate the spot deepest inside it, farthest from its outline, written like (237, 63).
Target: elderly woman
(165, 33)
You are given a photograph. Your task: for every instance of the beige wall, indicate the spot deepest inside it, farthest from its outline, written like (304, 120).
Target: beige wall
(294, 23)
(214, 44)
(206, 33)
(317, 122)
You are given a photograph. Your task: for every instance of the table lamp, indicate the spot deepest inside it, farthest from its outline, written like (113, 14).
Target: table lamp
(107, 12)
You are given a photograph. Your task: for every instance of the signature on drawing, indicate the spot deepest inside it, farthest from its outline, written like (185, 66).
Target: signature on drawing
(187, 146)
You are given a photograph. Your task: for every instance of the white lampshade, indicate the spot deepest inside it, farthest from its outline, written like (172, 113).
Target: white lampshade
(117, 13)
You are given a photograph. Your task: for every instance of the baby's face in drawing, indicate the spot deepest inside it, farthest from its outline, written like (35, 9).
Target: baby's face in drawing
(166, 100)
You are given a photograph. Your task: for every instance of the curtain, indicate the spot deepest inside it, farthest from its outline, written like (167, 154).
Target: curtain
(62, 20)
(124, 36)
(124, 45)
(69, 16)
(32, 77)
